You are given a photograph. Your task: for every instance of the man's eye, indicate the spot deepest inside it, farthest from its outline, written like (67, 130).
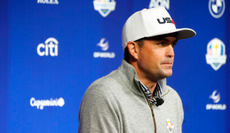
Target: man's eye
(161, 43)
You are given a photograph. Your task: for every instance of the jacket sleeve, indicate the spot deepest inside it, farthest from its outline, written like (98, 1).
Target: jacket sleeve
(98, 113)
(181, 112)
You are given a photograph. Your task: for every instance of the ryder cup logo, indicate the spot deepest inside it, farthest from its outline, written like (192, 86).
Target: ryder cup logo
(49, 48)
(104, 7)
(216, 98)
(216, 8)
(156, 3)
(216, 53)
(104, 47)
(169, 125)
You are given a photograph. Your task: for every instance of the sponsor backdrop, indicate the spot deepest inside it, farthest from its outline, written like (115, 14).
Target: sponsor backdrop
(52, 50)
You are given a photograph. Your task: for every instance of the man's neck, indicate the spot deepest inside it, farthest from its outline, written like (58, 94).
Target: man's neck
(147, 82)
(151, 85)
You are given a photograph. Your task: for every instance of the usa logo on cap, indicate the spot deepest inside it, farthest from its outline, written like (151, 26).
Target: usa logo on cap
(169, 125)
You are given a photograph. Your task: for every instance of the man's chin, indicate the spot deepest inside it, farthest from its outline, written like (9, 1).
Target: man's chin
(168, 73)
(164, 75)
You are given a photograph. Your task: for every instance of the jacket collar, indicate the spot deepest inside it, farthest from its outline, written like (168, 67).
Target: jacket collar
(130, 76)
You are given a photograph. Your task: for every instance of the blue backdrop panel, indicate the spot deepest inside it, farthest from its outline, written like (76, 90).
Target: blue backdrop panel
(51, 51)
(227, 76)
(3, 65)
(193, 78)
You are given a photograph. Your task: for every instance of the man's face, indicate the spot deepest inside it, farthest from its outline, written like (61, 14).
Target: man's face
(155, 57)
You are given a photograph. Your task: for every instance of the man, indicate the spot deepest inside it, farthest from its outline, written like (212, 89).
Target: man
(135, 98)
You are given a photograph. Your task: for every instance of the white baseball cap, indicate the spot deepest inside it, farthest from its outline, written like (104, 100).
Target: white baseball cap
(152, 22)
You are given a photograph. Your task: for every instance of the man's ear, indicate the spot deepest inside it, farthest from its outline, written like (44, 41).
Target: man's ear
(133, 49)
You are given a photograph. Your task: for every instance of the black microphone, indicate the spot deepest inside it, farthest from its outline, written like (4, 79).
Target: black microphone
(159, 101)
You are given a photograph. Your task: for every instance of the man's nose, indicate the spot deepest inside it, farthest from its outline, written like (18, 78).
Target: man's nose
(170, 51)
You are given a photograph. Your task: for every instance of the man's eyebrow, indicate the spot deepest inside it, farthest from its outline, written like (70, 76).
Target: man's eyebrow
(162, 39)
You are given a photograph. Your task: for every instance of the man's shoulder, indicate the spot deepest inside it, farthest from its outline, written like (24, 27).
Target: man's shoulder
(172, 93)
(103, 90)
(105, 84)
(172, 90)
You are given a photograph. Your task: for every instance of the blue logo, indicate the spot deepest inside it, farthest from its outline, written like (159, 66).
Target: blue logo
(216, 8)
(104, 7)
(216, 53)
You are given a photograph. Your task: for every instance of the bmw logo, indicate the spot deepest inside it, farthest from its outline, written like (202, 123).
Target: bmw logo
(216, 8)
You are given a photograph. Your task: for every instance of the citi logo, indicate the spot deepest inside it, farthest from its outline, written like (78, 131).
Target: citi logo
(40, 104)
(47, 2)
(165, 20)
(49, 48)
(104, 47)
(216, 98)
(157, 3)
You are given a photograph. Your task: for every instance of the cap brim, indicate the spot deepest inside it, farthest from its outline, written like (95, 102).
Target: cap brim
(182, 33)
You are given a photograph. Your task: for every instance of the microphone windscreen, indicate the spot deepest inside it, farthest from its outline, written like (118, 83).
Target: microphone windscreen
(159, 101)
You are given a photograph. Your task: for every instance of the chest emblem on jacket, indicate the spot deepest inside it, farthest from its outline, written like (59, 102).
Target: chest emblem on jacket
(169, 124)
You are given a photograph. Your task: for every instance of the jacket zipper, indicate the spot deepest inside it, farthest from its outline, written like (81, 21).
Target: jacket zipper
(154, 121)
